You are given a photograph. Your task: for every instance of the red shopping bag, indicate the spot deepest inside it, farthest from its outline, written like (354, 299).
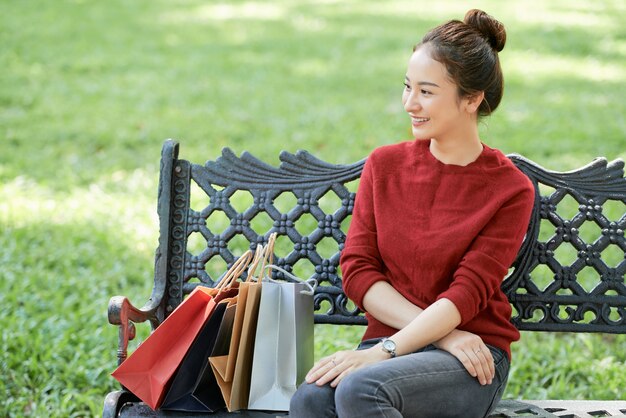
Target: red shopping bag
(149, 369)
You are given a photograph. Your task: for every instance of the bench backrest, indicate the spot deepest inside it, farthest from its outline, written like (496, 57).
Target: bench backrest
(568, 276)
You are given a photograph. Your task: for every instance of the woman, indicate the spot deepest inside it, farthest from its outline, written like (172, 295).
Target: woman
(437, 222)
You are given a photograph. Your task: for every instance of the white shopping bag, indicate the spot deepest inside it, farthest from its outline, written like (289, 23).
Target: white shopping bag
(283, 348)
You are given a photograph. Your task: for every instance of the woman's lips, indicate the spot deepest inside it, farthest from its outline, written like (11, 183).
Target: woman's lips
(419, 121)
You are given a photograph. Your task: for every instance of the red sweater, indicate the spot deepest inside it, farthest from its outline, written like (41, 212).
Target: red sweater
(434, 230)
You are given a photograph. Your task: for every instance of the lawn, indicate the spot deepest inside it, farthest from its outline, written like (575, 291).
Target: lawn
(90, 89)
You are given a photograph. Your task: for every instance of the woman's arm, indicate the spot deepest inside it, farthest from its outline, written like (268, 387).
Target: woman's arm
(486, 262)
(435, 322)
(461, 344)
(380, 296)
(377, 300)
(437, 325)
(361, 262)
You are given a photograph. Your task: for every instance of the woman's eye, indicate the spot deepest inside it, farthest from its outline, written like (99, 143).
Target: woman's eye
(407, 87)
(426, 92)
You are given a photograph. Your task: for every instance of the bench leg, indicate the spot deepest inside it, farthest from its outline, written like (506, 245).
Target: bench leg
(114, 402)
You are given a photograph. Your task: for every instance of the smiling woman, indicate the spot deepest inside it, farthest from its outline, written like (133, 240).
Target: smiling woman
(90, 89)
(444, 350)
(438, 110)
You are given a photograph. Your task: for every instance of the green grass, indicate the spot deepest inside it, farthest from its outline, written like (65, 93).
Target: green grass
(89, 90)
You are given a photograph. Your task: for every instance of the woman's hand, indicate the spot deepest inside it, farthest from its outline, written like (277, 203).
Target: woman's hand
(334, 368)
(472, 352)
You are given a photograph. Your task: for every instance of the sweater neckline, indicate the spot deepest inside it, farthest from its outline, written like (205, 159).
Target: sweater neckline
(477, 164)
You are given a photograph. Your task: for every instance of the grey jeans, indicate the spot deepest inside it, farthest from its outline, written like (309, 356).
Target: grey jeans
(427, 383)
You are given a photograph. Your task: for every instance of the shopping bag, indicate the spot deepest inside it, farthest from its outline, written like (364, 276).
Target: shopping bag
(232, 368)
(148, 370)
(283, 348)
(185, 392)
(194, 388)
(225, 359)
(235, 389)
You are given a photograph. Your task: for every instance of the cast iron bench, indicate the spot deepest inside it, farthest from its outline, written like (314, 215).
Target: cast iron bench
(568, 276)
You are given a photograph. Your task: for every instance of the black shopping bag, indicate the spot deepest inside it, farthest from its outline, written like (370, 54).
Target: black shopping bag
(194, 388)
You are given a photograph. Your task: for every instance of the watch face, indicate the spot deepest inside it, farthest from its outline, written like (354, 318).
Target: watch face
(389, 345)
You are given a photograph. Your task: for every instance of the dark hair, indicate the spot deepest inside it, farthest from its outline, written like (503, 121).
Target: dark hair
(469, 51)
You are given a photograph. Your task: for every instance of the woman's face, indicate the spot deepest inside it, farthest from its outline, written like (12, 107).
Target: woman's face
(432, 100)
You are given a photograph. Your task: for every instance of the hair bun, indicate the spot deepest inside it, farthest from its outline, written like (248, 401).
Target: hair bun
(491, 29)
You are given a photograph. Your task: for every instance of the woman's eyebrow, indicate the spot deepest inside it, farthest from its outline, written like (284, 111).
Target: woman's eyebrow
(421, 83)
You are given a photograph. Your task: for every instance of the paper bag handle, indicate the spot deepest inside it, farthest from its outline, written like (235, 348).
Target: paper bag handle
(238, 267)
(268, 258)
(258, 256)
(264, 255)
(310, 283)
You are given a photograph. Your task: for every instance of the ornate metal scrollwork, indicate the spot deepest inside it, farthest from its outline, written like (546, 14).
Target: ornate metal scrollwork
(179, 225)
(564, 303)
(309, 181)
(297, 171)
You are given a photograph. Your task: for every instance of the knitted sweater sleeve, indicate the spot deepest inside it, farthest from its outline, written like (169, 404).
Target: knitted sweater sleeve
(360, 261)
(486, 263)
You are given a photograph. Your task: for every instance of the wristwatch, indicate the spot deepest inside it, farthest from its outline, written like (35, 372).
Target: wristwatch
(389, 347)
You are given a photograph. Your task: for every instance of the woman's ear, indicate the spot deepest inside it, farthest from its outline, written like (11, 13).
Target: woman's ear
(472, 103)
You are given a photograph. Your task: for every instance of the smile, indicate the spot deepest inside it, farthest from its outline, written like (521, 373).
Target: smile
(419, 121)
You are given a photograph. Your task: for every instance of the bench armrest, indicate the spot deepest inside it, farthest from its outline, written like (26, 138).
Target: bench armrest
(122, 313)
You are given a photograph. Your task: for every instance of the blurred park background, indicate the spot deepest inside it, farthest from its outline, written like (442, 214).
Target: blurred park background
(90, 89)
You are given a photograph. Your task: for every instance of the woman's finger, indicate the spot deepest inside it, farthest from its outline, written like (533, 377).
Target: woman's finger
(484, 372)
(339, 378)
(316, 367)
(486, 361)
(332, 371)
(319, 369)
(467, 362)
(490, 362)
(478, 367)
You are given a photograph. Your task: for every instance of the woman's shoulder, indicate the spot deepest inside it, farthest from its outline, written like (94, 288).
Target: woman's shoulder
(503, 171)
(392, 153)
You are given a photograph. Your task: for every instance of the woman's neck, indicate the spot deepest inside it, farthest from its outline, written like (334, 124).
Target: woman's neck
(457, 152)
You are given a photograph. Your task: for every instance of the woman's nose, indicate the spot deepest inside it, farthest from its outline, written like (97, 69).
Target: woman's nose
(411, 103)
